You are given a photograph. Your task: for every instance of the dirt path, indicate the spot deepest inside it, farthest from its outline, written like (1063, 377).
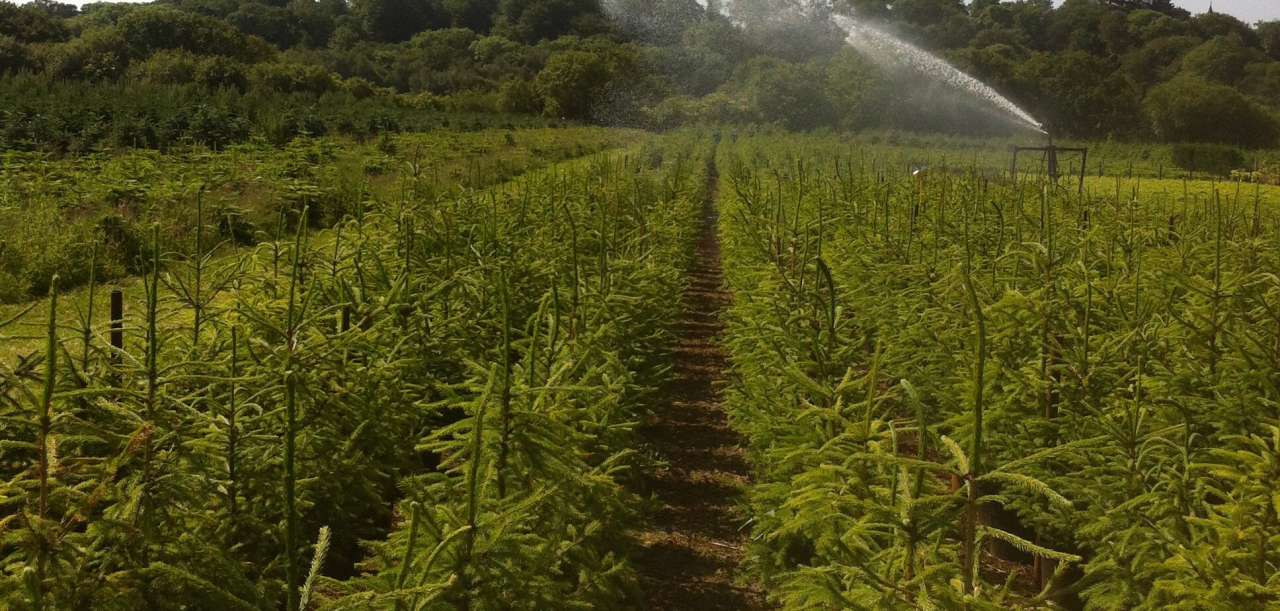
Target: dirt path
(694, 544)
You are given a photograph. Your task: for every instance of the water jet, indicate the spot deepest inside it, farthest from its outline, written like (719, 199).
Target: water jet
(886, 49)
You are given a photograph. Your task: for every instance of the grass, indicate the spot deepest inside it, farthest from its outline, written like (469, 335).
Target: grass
(59, 207)
(447, 162)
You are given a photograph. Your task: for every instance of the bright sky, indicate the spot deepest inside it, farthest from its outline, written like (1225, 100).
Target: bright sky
(1247, 11)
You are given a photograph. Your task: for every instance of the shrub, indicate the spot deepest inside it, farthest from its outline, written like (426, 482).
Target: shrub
(221, 73)
(14, 56)
(282, 128)
(568, 83)
(275, 24)
(97, 55)
(1155, 61)
(471, 102)
(519, 95)
(490, 49)
(1188, 109)
(235, 226)
(673, 112)
(359, 88)
(1212, 158)
(440, 48)
(167, 67)
(216, 127)
(55, 248)
(12, 289)
(785, 92)
(158, 27)
(1221, 59)
(293, 78)
(133, 131)
(124, 242)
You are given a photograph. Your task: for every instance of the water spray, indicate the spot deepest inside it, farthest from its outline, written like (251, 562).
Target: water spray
(886, 49)
(880, 47)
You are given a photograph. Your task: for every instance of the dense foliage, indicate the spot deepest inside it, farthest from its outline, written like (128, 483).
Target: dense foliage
(91, 214)
(217, 71)
(966, 388)
(429, 406)
(407, 374)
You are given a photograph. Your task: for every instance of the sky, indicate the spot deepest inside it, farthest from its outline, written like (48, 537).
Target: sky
(1247, 11)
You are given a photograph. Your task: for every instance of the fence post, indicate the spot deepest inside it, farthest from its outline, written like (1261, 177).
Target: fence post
(117, 324)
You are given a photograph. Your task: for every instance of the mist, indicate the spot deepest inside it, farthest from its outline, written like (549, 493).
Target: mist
(918, 91)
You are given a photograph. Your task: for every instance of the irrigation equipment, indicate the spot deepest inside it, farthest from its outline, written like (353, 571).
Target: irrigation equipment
(1049, 159)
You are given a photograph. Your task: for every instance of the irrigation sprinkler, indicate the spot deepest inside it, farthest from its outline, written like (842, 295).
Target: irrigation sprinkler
(1049, 158)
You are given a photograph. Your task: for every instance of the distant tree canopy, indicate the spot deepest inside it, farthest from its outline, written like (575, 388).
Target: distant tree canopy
(1190, 109)
(1269, 37)
(31, 23)
(1089, 68)
(397, 20)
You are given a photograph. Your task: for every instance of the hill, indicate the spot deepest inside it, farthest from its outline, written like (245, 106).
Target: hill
(221, 71)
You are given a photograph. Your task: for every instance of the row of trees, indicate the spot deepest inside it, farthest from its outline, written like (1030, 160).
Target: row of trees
(1087, 68)
(162, 74)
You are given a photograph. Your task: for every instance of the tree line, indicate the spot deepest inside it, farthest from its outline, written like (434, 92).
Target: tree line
(1132, 69)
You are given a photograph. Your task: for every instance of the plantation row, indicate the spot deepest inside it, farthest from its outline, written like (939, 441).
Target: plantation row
(416, 386)
(94, 212)
(1105, 160)
(466, 366)
(982, 391)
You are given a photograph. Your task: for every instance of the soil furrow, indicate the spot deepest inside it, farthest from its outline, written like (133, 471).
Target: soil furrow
(693, 548)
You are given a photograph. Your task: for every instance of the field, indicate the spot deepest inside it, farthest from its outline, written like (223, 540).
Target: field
(456, 370)
(247, 191)
(998, 393)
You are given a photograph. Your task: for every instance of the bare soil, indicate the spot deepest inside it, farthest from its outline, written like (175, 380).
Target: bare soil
(693, 546)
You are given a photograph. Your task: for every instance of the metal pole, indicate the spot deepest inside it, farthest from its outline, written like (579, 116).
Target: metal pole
(1084, 161)
(117, 323)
